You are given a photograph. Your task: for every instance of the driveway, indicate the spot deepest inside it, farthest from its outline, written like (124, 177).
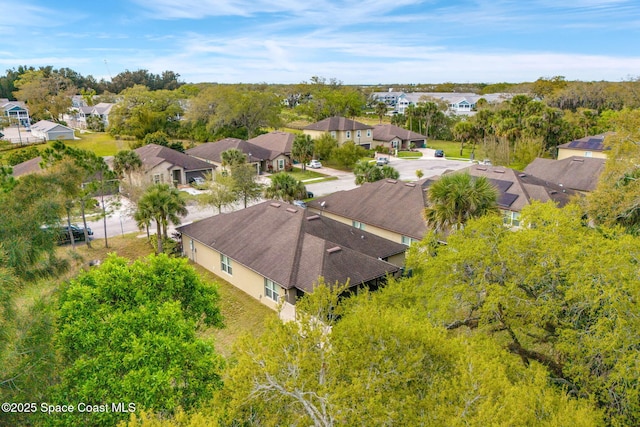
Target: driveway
(428, 164)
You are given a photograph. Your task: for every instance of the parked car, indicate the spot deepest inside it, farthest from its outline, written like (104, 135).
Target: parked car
(439, 153)
(309, 195)
(382, 161)
(78, 234)
(314, 164)
(196, 181)
(300, 204)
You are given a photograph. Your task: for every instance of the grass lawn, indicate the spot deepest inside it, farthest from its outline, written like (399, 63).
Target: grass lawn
(409, 154)
(452, 149)
(308, 175)
(242, 314)
(100, 143)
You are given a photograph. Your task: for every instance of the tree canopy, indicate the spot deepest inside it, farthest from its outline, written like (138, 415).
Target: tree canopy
(127, 333)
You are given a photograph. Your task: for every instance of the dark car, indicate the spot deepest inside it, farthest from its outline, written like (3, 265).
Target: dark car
(439, 153)
(309, 195)
(78, 234)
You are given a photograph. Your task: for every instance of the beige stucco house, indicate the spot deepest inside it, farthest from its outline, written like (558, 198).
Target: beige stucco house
(394, 209)
(276, 252)
(343, 130)
(589, 146)
(267, 153)
(397, 138)
(164, 165)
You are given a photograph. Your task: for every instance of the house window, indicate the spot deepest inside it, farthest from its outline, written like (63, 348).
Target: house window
(348, 134)
(588, 154)
(511, 219)
(271, 289)
(357, 224)
(406, 240)
(368, 133)
(225, 262)
(280, 164)
(157, 178)
(358, 134)
(333, 134)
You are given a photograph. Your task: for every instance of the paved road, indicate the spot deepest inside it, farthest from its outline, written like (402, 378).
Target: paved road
(430, 166)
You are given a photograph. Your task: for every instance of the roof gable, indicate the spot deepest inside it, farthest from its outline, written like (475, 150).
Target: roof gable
(388, 204)
(212, 151)
(388, 132)
(289, 246)
(152, 155)
(576, 173)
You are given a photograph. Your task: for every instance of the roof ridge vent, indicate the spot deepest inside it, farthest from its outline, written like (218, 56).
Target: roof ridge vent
(522, 175)
(275, 205)
(410, 184)
(392, 181)
(291, 210)
(575, 159)
(499, 171)
(481, 168)
(312, 217)
(334, 249)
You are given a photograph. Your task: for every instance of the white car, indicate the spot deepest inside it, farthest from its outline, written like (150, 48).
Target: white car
(314, 164)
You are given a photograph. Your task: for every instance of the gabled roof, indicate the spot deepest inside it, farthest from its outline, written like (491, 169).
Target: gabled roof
(517, 190)
(211, 151)
(276, 142)
(388, 132)
(47, 126)
(337, 124)
(591, 143)
(575, 172)
(388, 204)
(152, 155)
(7, 105)
(103, 108)
(293, 247)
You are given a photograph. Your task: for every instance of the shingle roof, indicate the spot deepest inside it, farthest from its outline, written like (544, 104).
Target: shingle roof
(517, 189)
(152, 155)
(25, 168)
(293, 247)
(576, 173)
(337, 124)
(388, 204)
(212, 150)
(275, 142)
(591, 143)
(388, 132)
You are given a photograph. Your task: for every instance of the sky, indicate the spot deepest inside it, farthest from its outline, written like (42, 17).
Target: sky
(353, 41)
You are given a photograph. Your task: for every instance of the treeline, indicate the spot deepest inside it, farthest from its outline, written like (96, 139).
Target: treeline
(166, 80)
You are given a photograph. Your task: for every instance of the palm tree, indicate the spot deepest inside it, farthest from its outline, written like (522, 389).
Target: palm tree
(381, 110)
(232, 157)
(455, 199)
(126, 161)
(302, 149)
(366, 172)
(285, 187)
(163, 204)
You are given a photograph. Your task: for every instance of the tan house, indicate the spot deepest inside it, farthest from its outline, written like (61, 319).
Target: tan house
(388, 208)
(576, 172)
(264, 159)
(394, 210)
(276, 252)
(517, 190)
(343, 130)
(164, 165)
(397, 138)
(278, 148)
(589, 146)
